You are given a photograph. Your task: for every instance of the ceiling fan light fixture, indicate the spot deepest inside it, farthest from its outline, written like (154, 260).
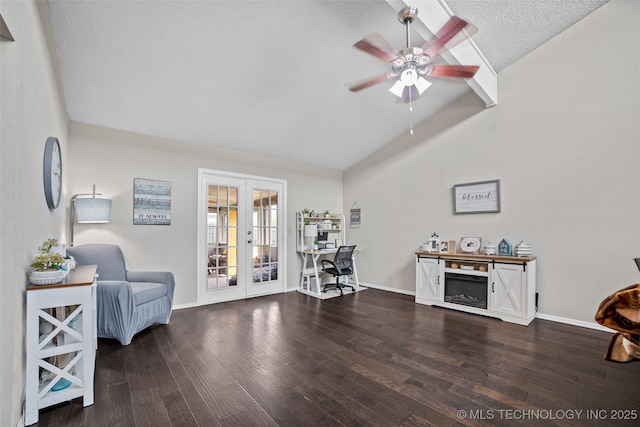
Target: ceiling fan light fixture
(422, 85)
(409, 76)
(397, 89)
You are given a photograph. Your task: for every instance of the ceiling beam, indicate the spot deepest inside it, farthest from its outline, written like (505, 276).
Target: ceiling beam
(432, 15)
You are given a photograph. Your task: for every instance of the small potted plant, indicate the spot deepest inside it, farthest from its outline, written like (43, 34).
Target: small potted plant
(47, 267)
(327, 214)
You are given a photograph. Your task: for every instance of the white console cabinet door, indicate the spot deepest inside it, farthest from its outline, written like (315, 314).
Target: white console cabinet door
(513, 292)
(429, 284)
(507, 289)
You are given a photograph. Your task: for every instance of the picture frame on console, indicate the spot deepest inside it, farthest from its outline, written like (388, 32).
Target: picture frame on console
(434, 244)
(470, 245)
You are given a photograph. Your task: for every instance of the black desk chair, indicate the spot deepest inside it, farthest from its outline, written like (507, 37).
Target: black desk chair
(342, 265)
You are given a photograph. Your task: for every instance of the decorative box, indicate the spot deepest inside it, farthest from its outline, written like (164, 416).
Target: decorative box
(505, 248)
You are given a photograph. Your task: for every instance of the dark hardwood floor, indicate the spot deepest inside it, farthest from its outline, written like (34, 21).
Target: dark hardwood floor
(372, 358)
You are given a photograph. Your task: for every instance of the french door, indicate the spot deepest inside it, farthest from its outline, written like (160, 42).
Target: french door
(241, 240)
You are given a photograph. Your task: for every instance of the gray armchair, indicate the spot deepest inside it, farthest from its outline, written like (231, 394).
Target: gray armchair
(128, 301)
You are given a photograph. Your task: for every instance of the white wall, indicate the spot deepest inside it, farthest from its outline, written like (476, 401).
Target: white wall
(563, 140)
(30, 111)
(111, 159)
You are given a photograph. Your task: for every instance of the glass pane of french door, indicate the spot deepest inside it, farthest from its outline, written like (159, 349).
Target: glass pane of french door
(265, 236)
(222, 236)
(266, 222)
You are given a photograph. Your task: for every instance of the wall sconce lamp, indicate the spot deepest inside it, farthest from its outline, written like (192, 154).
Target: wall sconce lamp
(89, 210)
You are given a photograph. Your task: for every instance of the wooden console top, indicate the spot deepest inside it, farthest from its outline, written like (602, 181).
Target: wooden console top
(82, 275)
(477, 257)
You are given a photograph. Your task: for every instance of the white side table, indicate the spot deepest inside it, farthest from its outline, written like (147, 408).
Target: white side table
(70, 335)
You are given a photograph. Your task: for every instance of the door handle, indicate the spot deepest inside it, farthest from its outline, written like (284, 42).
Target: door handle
(249, 241)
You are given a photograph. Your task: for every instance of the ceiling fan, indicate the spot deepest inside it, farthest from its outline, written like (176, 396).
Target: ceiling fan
(412, 64)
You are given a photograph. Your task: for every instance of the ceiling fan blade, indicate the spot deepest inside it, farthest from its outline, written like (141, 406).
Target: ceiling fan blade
(373, 81)
(467, 71)
(446, 33)
(377, 46)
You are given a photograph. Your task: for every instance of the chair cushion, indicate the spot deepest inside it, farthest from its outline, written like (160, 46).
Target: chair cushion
(147, 291)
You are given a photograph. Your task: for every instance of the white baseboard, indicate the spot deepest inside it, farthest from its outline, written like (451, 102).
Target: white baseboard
(181, 306)
(581, 323)
(385, 288)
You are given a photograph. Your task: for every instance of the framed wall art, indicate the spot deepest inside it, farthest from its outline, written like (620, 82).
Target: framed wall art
(476, 197)
(151, 202)
(355, 216)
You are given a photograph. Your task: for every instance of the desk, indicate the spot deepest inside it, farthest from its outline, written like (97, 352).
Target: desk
(71, 333)
(309, 278)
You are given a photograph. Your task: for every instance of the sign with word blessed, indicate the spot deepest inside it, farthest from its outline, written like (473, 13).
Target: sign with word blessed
(477, 197)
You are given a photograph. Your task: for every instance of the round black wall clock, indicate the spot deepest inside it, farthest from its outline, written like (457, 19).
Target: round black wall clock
(52, 172)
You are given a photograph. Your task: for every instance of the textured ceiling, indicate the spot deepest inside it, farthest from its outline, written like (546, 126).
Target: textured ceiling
(268, 77)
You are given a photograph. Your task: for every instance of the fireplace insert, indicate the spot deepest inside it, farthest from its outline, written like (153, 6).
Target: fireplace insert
(466, 289)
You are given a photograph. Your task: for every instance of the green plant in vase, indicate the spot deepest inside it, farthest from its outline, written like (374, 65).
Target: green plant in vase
(47, 267)
(46, 260)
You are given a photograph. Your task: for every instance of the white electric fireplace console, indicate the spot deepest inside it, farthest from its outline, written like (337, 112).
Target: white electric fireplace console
(496, 286)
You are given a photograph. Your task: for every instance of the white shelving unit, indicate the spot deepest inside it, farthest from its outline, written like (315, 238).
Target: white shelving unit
(307, 230)
(61, 327)
(333, 226)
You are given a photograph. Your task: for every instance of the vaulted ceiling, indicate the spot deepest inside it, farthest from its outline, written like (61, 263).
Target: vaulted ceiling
(271, 77)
